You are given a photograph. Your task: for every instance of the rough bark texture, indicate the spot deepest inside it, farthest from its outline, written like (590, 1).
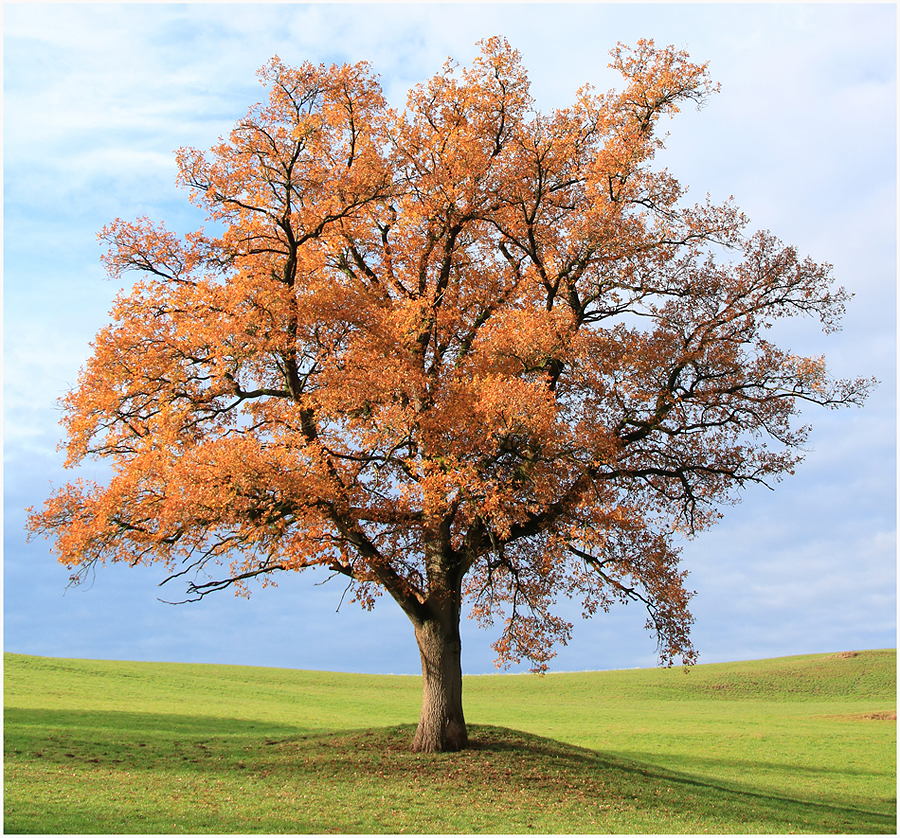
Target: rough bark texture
(441, 724)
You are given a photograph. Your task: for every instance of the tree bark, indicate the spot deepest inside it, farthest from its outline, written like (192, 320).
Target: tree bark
(441, 724)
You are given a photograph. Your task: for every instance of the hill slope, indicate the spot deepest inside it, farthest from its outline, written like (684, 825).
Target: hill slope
(790, 744)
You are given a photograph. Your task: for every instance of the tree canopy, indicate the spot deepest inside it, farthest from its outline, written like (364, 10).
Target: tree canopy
(464, 352)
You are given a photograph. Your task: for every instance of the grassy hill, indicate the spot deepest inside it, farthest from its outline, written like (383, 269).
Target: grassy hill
(805, 744)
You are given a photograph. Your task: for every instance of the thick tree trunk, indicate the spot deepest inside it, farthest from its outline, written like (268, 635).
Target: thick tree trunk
(441, 725)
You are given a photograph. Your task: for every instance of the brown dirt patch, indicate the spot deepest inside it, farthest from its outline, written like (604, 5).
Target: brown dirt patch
(883, 716)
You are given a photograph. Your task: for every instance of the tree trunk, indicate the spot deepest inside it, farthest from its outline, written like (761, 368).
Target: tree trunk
(441, 725)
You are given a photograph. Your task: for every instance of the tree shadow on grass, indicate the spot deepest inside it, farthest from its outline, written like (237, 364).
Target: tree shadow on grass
(503, 770)
(148, 724)
(125, 740)
(701, 762)
(787, 807)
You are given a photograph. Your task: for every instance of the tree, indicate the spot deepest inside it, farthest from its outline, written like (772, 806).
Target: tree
(465, 351)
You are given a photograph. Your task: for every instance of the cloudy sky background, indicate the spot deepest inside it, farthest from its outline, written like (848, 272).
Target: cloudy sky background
(803, 134)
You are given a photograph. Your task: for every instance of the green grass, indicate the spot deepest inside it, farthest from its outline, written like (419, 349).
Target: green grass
(801, 744)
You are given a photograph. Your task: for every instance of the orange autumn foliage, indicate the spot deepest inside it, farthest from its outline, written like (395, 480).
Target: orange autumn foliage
(467, 351)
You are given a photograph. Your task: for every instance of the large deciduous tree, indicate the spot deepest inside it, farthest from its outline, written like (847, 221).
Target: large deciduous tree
(467, 351)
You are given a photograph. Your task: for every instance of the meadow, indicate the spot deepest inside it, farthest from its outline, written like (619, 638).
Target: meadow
(798, 744)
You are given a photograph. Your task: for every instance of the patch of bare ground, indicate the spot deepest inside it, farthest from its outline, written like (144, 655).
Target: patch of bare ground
(883, 716)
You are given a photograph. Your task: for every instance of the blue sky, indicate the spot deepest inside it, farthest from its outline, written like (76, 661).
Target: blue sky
(803, 134)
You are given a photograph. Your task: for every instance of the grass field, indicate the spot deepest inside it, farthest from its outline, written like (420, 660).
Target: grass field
(800, 744)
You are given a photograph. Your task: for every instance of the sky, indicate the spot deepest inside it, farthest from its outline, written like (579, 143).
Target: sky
(803, 134)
